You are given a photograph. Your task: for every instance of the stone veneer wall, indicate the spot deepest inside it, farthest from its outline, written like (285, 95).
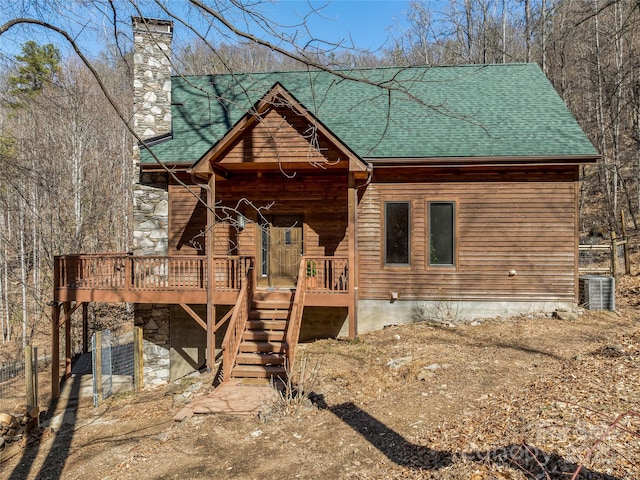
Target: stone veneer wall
(152, 118)
(152, 76)
(154, 320)
(151, 215)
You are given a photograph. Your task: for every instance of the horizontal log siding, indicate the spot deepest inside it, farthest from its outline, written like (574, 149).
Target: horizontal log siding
(321, 199)
(187, 220)
(525, 221)
(281, 137)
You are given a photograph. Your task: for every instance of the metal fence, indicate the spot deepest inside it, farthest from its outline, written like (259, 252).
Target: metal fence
(604, 259)
(595, 259)
(12, 385)
(113, 365)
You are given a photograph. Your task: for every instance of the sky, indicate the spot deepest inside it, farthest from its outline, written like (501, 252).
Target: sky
(366, 23)
(363, 24)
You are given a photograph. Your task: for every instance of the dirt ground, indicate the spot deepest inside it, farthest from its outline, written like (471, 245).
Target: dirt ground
(526, 397)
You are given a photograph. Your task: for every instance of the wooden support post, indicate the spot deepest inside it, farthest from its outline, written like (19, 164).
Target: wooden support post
(36, 371)
(55, 350)
(97, 368)
(29, 376)
(85, 327)
(614, 255)
(353, 256)
(211, 283)
(138, 358)
(67, 341)
(627, 260)
(128, 274)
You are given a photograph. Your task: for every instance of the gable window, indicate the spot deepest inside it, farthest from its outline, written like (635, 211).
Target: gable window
(397, 218)
(442, 233)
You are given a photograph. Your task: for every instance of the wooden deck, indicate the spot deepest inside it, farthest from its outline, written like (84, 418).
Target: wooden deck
(119, 278)
(81, 279)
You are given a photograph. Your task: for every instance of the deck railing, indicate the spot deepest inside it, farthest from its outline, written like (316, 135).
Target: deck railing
(295, 317)
(237, 324)
(326, 274)
(116, 271)
(120, 272)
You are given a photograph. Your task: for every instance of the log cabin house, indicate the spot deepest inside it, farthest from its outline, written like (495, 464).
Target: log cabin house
(277, 207)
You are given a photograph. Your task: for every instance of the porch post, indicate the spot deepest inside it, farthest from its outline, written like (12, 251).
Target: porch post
(353, 257)
(67, 341)
(211, 278)
(55, 350)
(85, 327)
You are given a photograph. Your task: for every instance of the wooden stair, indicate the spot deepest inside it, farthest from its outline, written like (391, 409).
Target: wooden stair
(262, 351)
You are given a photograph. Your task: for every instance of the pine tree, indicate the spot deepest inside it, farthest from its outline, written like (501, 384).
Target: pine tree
(39, 64)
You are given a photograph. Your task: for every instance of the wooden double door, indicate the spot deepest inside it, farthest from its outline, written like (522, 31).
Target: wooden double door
(281, 247)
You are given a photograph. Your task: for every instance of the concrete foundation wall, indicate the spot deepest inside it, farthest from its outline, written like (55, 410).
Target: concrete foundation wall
(376, 314)
(188, 341)
(321, 322)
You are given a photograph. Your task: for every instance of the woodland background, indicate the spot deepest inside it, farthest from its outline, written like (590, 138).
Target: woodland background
(66, 168)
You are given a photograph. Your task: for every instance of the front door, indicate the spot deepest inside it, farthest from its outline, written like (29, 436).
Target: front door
(281, 250)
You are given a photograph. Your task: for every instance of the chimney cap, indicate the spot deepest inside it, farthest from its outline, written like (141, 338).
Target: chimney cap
(155, 25)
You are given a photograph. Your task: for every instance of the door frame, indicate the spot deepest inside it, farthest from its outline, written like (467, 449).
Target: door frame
(264, 249)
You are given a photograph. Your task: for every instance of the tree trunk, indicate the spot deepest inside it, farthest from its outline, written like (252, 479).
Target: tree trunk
(23, 271)
(527, 30)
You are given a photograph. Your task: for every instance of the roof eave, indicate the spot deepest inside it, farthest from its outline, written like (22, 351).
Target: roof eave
(483, 161)
(155, 166)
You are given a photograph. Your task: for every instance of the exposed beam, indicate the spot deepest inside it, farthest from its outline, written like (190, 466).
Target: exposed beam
(224, 319)
(68, 313)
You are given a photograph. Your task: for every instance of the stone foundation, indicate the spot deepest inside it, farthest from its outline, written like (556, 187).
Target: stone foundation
(154, 320)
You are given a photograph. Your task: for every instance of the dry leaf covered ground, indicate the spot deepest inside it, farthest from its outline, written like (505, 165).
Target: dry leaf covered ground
(527, 397)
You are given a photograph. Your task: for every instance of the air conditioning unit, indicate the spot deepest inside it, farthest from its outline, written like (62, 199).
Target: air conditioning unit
(598, 292)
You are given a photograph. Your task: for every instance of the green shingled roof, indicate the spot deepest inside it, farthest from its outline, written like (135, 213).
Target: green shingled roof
(418, 112)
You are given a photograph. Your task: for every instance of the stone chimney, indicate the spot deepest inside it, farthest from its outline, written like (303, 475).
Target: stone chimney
(152, 119)
(152, 76)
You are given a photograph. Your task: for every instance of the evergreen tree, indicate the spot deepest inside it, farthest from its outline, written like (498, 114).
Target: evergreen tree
(39, 64)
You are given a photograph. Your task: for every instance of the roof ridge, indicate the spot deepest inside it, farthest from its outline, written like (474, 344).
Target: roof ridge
(367, 69)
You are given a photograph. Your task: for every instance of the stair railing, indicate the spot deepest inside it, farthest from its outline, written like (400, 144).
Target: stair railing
(237, 325)
(295, 318)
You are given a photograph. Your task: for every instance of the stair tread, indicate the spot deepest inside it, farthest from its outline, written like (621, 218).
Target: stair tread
(260, 358)
(262, 348)
(259, 346)
(273, 296)
(257, 371)
(269, 314)
(264, 335)
(267, 324)
(258, 368)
